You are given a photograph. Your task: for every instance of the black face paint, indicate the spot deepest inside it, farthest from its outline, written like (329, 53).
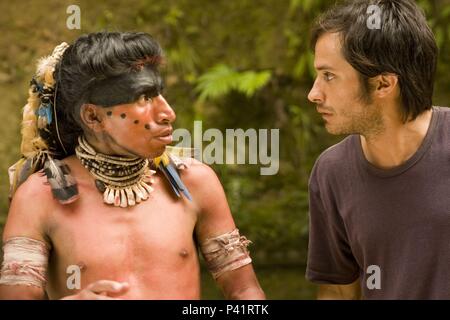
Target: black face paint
(147, 126)
(126, 88)
(136, 121)
(123, 115)
(109, 113)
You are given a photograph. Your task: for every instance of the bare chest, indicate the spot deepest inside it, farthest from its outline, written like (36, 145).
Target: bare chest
(116, 243)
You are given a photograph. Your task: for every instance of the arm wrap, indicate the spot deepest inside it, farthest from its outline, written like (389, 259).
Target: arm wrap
(225, 252)
(25, 262)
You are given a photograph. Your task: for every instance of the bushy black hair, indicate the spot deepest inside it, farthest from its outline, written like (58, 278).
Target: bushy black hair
(91, 58)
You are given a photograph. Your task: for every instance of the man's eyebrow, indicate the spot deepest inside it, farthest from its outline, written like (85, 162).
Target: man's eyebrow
(154, 88)
(324, 67)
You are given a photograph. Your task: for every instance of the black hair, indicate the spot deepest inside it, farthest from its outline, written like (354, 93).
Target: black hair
(86, 64)
(404, 45)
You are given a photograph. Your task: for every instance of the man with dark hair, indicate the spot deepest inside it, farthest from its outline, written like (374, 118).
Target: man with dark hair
(379, 200)
(110, 214)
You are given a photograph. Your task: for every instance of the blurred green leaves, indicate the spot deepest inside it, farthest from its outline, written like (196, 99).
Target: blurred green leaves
(304, 66)
(304, 5)
(173, 16)
(221, 80)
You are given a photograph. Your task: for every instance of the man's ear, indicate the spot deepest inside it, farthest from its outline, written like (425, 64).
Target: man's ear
(385, 84)
(92, 117)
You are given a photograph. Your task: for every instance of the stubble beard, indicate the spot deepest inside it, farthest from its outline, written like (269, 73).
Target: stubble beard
(367, 120)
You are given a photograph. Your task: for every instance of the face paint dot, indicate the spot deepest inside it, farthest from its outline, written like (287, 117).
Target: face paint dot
(123, 115)
(147, 126)
(109, 113)
(136, 121)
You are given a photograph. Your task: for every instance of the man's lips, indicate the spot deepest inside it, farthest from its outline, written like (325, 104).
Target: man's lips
(324, 113)
(165, 139)
(165, 136)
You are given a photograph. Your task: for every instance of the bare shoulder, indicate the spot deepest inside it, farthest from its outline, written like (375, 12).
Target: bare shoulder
(198, 174)
(202, 182)
(29, 208)
(35, 188)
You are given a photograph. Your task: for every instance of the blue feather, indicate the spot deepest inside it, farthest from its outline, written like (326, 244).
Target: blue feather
(49, 113)
(45, 111)
(174, 179)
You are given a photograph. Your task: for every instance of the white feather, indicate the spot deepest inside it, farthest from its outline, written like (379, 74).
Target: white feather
(56, 172)
(42, 65)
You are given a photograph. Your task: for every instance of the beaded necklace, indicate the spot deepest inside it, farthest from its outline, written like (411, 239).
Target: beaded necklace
(124, 181)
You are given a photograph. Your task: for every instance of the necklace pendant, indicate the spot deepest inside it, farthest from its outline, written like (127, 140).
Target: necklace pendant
(108, 196)
(100, 185)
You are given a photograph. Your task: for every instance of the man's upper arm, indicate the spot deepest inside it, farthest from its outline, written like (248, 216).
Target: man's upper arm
(330, 257)
(215, 219)
(27, 218)
(28, 211)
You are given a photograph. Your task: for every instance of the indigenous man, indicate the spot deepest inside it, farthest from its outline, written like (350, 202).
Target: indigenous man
(379, 200)
(109, 203)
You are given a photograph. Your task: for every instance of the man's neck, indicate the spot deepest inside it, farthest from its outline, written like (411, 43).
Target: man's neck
(397, 142)
(105, 145)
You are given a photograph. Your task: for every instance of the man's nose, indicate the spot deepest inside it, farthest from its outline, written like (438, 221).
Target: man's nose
(164, 112)
(316, 95)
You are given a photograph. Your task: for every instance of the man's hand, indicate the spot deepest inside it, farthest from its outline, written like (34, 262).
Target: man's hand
(101, 290)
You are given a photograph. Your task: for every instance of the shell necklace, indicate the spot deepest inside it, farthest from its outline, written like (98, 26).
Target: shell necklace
(124, 181)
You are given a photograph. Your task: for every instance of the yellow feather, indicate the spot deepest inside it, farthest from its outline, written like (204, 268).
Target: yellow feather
(32, 143)
(14, 171)
(164, 158)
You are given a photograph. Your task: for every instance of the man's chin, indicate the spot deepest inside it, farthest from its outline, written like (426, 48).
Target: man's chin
(330, 129)
(334, 130)
(156, 152)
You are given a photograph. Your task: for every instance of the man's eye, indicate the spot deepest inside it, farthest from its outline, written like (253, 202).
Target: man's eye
(145, 98)
(328, 76)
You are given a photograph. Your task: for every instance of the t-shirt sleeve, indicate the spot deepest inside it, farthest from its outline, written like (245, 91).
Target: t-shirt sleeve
(330, 258)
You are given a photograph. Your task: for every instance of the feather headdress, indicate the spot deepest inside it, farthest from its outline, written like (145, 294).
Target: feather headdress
(38, 115)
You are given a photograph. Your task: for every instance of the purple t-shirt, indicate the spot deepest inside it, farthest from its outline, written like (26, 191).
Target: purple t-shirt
(390, 228)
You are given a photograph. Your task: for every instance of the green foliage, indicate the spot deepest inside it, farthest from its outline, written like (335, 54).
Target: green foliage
(221, 79)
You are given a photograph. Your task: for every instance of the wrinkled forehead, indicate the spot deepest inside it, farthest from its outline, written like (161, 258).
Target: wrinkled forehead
(126, 88)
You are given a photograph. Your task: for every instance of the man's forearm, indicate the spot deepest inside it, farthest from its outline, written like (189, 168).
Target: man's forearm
(251, 293)
(20, 292)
